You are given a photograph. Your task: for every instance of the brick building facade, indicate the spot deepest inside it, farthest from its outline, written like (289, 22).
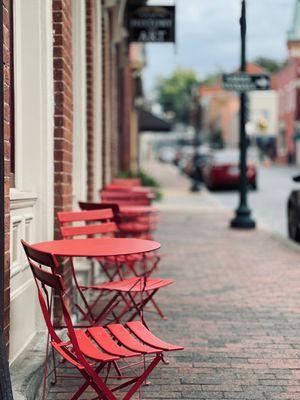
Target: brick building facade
(287, 83)
(64, 116)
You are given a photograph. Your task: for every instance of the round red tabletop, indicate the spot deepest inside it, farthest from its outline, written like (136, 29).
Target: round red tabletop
(102, 247)
(138, 210)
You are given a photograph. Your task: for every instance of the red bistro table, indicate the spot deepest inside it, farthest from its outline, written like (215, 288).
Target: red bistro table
(101, 247)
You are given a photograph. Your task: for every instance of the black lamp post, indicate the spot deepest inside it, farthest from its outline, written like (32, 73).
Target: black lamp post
(196, 117)
(243, 218)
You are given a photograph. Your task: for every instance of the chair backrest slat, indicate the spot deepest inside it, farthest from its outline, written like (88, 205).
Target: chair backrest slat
(91, 215)
(39, 257)
(46, 278)
(97, 222)
(70, 231)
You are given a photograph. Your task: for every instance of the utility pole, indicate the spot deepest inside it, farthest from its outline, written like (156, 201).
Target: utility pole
(196, 184)
(243, 218)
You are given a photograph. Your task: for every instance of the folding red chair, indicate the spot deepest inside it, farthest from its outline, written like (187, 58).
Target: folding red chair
(135, 292)
(141, 232)
(141, 226)
(94, 352)
(137, 228)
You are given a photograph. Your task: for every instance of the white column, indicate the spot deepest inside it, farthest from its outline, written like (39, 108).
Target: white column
(98, 99)
(32, 198)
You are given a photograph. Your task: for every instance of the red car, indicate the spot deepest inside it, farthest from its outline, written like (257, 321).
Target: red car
(222, 171)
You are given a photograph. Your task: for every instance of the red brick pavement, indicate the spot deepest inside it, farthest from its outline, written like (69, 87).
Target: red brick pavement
(235, 307)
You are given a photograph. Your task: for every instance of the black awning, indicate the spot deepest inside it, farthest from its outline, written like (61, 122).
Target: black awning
(151, 123)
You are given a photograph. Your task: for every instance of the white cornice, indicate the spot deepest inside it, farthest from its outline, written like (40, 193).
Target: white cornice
(20, 199)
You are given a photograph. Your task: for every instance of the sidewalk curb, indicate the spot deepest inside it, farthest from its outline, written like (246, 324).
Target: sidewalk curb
(284, 241)
(27, 370)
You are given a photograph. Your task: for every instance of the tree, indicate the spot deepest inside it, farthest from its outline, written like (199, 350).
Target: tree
(175, 94)
(270, 65)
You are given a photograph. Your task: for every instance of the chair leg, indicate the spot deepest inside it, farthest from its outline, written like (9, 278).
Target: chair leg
(139, 307)
(54, 381)
(142, 378)
(88, 383)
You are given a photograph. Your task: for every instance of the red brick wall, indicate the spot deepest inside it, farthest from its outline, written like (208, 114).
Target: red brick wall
(63, 117)
(63, 102)
(126, 108)
(90, 97)
(7, 137)
(110, 103)
(106, 105)
(283, 82)
(114, 109)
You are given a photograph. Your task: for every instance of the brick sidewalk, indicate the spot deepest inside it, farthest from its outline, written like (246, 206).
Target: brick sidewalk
(234, 306)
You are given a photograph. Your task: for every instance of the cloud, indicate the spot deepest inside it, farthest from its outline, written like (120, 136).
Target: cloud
(208, 35)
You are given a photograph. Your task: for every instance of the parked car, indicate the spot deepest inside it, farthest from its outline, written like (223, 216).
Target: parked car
(222, 170)
(293, 212)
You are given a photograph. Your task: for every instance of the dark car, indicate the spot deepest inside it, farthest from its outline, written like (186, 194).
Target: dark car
(222, 171)
(293, 211)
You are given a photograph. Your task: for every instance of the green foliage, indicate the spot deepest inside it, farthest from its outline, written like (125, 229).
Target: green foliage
(175, 93)
(146, 180)
(270, 65)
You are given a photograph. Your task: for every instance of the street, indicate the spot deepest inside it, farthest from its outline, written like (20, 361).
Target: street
(268, 203)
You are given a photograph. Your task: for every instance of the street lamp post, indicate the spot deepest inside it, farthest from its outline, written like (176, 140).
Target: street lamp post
(197, 141)
(243, 218)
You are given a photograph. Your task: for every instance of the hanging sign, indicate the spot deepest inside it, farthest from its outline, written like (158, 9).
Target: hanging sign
(243, 82)
(152, 24)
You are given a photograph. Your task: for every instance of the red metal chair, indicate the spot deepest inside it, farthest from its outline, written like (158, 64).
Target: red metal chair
(91, 351)
(101, 222)
(135, 292)
(143, 225)
(119, 218)
(134, 227)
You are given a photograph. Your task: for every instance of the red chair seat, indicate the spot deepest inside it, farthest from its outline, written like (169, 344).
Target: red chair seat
(141, 332)
(90, 350)
(106, 342)
(134, 284)
(125, 338)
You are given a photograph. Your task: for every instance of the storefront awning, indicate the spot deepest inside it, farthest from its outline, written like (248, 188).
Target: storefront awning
(151, 123)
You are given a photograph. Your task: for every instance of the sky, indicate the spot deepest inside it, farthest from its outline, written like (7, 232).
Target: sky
(208, 36)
